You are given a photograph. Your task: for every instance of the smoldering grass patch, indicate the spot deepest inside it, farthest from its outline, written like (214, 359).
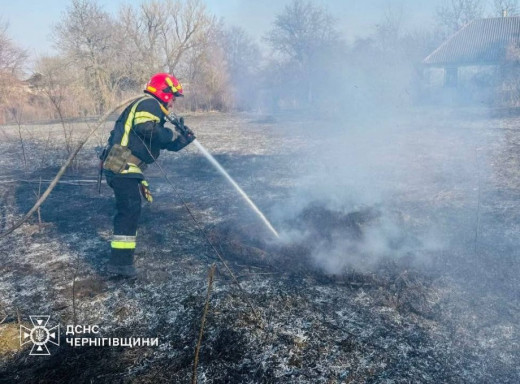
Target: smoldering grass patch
(393, 322)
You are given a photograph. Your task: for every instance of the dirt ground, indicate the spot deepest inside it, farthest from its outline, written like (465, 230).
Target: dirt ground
(398, 260)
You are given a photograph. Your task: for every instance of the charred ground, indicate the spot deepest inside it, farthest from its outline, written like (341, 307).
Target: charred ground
(418, 285)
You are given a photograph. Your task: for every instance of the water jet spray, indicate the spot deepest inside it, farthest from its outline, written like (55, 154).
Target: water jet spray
(179, 123)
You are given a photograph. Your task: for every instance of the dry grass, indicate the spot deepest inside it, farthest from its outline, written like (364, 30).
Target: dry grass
(425, 311)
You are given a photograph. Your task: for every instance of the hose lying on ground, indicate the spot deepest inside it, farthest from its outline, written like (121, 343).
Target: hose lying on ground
(69, 161)
(64, 167)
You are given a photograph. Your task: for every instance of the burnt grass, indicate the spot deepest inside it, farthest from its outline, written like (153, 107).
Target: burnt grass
(419, 285)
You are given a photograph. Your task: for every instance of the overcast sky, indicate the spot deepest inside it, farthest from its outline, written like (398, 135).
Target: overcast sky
(31, 21)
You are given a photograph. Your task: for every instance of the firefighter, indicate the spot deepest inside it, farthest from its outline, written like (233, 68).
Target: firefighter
(136, 140)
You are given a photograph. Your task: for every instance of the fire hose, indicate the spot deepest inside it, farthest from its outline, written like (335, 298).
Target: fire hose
(179, 123)
(64, 167)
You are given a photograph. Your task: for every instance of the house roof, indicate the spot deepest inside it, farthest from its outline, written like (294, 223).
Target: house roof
(480, 42)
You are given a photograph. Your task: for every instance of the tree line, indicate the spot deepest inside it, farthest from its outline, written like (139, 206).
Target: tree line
(102, 58)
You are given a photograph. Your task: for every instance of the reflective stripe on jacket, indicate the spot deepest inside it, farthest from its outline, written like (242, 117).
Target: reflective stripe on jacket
(141, 128)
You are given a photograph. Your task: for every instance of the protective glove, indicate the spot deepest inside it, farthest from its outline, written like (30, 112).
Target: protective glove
(186, 133)
(145, 191)
(184, 137)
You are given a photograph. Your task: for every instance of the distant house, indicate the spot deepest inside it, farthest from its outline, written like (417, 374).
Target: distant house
(481, 43)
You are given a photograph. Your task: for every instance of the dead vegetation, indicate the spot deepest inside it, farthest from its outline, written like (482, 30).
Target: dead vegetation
(419, 313)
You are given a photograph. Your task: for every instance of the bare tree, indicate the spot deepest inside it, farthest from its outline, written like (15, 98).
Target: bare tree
(301, 30)
(55, 81)
(162, 32)
(85, 36)
(50, 80)
(179, 37)
(190, 25)
(390, 29)
(206, 71)
(242, 52)
(455, 14)
(243, 59)
(12, 60)
(140, 42)
(505, 7)
(305, 36)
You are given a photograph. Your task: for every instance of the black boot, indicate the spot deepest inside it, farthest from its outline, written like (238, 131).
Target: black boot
(121, 263)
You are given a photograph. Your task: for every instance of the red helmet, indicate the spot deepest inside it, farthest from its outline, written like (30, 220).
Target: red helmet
(164, 86)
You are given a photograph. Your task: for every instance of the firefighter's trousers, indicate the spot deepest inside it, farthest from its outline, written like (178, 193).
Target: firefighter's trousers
(128, 207)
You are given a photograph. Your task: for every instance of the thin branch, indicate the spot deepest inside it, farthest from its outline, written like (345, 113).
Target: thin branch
(64, 168)
(39, 212)
(76, 268)
(202, 323)
(18, 118)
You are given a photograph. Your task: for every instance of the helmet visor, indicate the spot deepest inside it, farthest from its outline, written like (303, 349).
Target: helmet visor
(169, 90)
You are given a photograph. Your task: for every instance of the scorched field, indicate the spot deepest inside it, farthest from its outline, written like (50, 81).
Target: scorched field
(398, 257)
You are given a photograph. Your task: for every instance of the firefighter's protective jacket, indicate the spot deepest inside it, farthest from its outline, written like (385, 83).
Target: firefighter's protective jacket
(141, 128)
